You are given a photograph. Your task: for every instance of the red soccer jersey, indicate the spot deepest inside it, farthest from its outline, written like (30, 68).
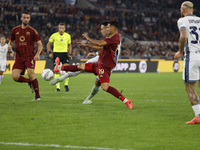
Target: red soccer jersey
(108, 52)
(24, 41)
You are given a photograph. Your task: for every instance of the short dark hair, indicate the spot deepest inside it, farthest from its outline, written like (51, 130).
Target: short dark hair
(105, 23)
(61, 24)
(25, 12)
(114, 23)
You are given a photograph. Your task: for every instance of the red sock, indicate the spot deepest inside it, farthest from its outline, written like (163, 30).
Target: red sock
(22, 79)
(71, 68)
(35, 87)
(115, 93)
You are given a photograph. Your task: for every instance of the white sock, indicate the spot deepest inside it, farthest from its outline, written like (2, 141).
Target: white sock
(1, 78)
(70, 74)
(196, 109)
(125, 100)
(94, 91)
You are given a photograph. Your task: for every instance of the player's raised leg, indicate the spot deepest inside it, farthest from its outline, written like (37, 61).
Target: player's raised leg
(72, 68)
(71, 74)
(63, 77)
(16, 76)
(194, 100)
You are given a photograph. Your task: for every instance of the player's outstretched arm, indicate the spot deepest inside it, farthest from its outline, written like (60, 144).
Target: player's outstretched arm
(37, 55)
(91, 54)
(89, 45)
(100, 43)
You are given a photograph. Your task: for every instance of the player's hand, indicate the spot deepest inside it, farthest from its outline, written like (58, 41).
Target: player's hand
(91, 54)
(12, 55)
(178, 55)
(70, 57)
(9, 47)
(81, 44)
(50, 55)
(86, 36)
(37, 57)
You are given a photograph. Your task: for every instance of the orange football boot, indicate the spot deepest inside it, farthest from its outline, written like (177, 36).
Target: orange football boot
(129, 104)
(57, 62)
(196, 120)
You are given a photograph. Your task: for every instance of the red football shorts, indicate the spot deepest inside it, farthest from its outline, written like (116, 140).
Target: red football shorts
(102, 72)
(24, 64)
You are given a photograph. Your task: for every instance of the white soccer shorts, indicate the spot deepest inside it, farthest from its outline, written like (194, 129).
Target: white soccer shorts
(93, 60)
(191, 70)
(3, 66)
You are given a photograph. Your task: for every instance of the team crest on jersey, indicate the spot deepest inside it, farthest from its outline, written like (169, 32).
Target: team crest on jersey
(28, 33)
(17, 33)
(101, 71)
(61, 39)
(22, 38)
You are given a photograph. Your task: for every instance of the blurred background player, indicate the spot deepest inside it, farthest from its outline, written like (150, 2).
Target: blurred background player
(62, 49)
(189, 27)
(106, 62)
(25, 36)
(3, 56)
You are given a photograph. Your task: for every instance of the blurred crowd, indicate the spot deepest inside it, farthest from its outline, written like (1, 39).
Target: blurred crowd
(144, 20)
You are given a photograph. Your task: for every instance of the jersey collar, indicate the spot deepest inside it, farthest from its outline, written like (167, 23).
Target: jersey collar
(190, 15)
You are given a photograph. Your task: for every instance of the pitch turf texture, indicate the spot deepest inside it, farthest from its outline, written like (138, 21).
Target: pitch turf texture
(60, 121)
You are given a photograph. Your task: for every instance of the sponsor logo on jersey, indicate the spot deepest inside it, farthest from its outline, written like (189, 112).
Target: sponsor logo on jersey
(22, 39)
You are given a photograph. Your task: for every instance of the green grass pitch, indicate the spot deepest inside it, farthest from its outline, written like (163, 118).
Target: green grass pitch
(60, 121)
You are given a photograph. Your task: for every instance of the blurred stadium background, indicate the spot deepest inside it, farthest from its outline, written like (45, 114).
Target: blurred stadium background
(148, 27)
(149, 38)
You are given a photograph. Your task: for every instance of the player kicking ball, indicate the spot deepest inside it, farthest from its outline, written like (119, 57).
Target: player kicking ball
(97, 85)
(105, 64)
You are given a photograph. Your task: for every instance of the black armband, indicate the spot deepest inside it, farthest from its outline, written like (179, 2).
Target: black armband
(50, 52)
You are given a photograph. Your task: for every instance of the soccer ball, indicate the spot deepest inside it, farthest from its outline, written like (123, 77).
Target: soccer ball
(47, 74)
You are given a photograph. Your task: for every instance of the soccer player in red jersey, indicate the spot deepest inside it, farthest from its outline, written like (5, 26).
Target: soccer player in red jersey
(25, 36)
(105, 63)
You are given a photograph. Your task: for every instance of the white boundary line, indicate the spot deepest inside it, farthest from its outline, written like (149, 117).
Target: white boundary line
(59, 146)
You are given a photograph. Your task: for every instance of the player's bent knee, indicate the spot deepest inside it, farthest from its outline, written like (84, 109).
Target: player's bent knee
(104, 87)
(97, 83)
(81, 66)
(15, 77)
